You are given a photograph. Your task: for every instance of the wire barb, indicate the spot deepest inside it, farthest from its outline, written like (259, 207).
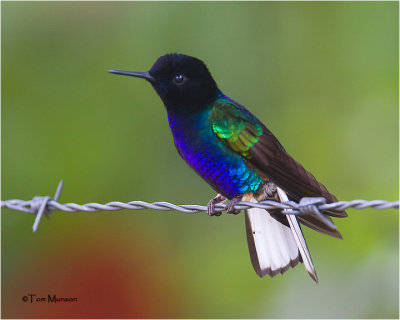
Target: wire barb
(44, 205)
(41, 203)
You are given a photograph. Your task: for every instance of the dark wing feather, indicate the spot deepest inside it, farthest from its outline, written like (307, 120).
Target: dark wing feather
(246, 135)
(269, 157)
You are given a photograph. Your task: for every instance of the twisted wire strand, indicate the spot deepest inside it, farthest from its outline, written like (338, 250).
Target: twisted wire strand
(44, 205)
(33, 205)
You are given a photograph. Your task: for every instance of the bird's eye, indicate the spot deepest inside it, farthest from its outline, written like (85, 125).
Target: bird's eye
(179, 79)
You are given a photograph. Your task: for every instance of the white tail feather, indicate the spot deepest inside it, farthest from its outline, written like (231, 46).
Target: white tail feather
(272, 246)
(299, 238)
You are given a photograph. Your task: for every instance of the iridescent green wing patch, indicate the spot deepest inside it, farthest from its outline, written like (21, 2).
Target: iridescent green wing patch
(235, 126)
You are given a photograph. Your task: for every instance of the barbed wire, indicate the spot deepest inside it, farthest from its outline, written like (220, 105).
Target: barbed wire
(45, 205)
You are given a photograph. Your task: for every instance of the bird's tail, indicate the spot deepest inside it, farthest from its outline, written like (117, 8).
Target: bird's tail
(273, 246)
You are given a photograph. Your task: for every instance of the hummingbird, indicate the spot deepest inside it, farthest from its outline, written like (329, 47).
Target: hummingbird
(235, 153)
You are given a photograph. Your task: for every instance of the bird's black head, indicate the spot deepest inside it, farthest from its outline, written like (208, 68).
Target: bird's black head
(183, 83)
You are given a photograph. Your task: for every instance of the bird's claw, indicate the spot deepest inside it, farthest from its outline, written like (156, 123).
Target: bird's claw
(230, 208)
(211, 205)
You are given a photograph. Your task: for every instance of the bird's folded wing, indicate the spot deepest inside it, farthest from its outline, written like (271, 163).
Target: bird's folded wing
(287, 173)
(247, 136)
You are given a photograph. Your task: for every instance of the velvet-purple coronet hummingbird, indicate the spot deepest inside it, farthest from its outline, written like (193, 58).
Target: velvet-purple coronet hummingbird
(240, 159)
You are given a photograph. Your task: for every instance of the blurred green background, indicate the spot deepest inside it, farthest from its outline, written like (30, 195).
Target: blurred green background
(322, 76)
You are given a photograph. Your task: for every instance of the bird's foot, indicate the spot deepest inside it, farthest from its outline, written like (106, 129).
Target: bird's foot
(230, 208)
(211, 205)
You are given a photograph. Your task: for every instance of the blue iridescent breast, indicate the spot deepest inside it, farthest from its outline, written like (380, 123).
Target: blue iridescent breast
(222, 168)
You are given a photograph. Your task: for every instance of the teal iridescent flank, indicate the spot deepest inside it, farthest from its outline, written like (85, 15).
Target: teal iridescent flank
(215, 146)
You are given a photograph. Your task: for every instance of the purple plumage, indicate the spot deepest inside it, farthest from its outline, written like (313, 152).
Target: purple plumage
(225, 170)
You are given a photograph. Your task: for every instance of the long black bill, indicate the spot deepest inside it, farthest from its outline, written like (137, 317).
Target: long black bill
(143, 75)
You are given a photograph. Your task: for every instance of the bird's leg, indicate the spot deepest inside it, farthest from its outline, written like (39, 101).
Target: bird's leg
(231, 206)
(211, 205)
